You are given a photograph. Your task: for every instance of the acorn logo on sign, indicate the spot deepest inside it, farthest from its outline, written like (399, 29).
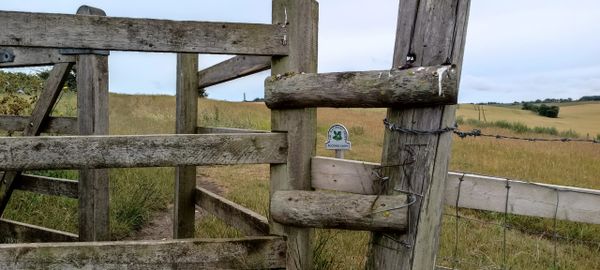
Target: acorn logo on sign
(337, 138)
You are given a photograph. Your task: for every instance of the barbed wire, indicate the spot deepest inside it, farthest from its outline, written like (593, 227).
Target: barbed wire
(477, 133)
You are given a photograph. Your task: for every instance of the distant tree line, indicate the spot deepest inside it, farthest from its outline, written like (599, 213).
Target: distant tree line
(543, 109)
(590, 98)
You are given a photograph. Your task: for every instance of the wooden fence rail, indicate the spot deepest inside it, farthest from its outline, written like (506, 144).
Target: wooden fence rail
(61, 125)
(92, 152)
(266, 252)
(30, 57)
(22, 29)
(13, 231)
(366, 89)
(233, 214)
(477, 191)
(231, 69)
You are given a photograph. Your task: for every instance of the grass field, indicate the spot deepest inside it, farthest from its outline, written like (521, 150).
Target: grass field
(137, 193)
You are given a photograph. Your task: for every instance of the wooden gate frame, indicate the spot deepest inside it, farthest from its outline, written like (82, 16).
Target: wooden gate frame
(432, 31)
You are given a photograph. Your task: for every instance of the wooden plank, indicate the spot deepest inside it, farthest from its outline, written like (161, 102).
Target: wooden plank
(43, 107)
(525, 198)
(13, 231)
(232, 213)
(231, 69)
(186, 123)
(62, 125)
(345, 175)
(245, 253)
(419, 86)
(47, 185)
(433, 31)
(220, 130)
(54, 84)
(339, 210)
(93, 152)
(477, 191)
(300, 17)
(92, 110)
(127, 34)
(31, 57)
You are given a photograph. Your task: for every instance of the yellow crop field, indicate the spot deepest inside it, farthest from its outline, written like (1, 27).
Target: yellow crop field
(583, 118)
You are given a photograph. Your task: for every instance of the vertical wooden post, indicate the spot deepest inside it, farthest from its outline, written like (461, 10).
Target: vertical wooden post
(92, 109)
(434, 31)
(300, 17)
(186, 117)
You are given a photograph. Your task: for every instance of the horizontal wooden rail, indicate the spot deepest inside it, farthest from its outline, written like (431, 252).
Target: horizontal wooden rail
(232, 213)
(13, 231)
(221, 130)
(231, 69)
(422, 86)
(524, 198)
(246, 253)
(22, 29)
(339, 210)
(30, 57)
(47, 185)
(61, 125)
(477, 191)
(93, 152)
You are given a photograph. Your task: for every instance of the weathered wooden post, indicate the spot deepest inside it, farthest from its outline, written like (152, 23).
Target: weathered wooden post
(187, 111)
(300, 18)
(433, 33)
(92, 109)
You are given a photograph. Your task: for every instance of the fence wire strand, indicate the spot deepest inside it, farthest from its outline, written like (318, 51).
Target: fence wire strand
(505, 224)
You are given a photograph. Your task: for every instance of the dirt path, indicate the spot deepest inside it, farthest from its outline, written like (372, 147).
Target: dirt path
(160, 225)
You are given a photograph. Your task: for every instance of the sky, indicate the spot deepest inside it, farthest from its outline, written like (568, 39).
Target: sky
(516, 49)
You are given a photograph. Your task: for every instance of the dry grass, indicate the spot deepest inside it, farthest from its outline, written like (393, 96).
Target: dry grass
(480, 245)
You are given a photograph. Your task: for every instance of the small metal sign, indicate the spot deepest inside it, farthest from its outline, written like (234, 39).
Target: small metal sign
(337, 138)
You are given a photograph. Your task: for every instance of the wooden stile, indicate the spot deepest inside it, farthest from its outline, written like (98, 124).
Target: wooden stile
(248, 253)
(61, 125)
(415, 87)
(29, 57)
(339, 211)
(231, 69)
(126, 34)
(300, 18)
(433, 33)
(232, 213)
(95, 152)
(186, 123)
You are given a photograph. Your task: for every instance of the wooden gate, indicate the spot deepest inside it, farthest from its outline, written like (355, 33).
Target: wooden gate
(404, 214)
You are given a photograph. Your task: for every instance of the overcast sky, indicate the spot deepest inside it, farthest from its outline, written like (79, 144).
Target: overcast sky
(516, 49)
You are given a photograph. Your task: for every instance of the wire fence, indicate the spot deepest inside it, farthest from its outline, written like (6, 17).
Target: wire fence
(504, 222)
